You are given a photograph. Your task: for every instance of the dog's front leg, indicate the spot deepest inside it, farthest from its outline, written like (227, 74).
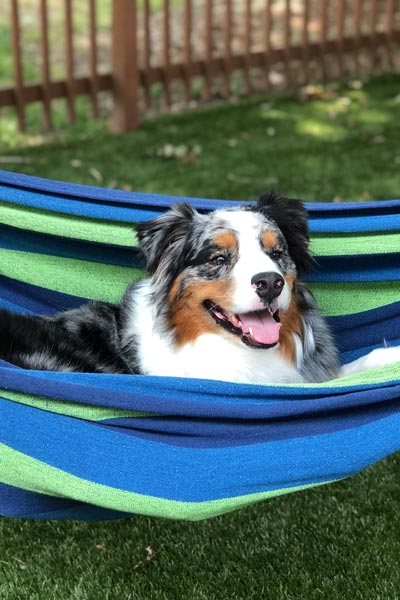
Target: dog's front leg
(377, 358)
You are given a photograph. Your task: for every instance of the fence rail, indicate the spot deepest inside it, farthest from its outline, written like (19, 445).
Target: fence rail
(200, 48)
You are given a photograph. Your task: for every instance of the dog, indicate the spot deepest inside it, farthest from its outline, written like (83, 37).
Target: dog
(225, 300)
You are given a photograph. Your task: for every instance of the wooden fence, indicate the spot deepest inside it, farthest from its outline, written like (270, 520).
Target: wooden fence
(201, 49)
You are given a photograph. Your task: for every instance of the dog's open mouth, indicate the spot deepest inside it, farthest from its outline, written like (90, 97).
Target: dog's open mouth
(258, 329)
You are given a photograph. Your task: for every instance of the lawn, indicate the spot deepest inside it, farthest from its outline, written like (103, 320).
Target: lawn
(341, 541)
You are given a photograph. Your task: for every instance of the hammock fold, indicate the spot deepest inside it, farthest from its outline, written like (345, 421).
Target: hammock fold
(92, 446)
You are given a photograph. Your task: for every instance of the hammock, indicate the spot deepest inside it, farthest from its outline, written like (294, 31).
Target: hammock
(92, 446)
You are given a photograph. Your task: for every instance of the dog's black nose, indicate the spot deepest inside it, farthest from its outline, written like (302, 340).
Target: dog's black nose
(268, 285)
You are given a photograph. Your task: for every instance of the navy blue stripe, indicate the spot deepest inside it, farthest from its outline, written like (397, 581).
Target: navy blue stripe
(375, 315)
(36, 299)
(351, 334)
(23, 504)
(49, 245)
(223, 433)
(377, 267)
(350, 355)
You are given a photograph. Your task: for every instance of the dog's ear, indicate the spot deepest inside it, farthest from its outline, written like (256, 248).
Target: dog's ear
(291, 217)
(157, 235)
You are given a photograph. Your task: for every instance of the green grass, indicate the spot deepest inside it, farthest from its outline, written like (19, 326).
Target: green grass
(339, 542)
(319, 150)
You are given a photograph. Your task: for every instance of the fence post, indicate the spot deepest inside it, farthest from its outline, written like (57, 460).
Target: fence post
(125, 74)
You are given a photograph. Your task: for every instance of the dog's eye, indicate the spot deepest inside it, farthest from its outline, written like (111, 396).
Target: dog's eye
(275, 254)
(219, 260)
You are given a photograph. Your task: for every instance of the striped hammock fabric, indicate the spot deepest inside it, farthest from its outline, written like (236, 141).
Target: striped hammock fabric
(90, 446)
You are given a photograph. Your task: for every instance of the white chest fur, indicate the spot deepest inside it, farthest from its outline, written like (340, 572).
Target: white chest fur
(211, 356)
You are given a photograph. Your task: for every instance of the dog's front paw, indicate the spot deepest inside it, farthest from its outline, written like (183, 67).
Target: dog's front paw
(383, 356)
(377, 358)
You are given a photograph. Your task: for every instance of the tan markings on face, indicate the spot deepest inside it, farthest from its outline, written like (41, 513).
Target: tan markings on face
(269, 240)
(290, 280)
(291, 323)
(188, 316)
(226, 239)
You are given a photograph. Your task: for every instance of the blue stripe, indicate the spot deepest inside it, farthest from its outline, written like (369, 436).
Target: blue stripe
(133, 206)
(141, 466)
(93, 194)
(114, 211)
(72, 206)
(102, 195)
(355, 224)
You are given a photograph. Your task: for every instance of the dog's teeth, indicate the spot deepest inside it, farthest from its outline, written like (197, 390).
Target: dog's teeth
(251, 331)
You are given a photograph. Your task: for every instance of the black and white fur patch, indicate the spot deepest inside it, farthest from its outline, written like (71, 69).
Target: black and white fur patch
(224, 300)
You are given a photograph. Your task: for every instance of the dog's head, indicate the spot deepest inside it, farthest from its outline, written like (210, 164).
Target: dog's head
(230, 271)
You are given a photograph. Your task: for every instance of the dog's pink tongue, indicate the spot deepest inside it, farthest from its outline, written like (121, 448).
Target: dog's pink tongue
(260, 326)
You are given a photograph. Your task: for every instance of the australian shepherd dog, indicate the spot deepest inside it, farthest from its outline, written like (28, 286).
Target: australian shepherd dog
(224, 300)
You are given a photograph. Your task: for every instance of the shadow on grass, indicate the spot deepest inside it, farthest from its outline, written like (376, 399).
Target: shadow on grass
(343, 145)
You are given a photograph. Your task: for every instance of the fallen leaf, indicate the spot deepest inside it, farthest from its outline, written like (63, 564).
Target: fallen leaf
(356, 84)
(95, 173)
(149, 556)
(21, 564)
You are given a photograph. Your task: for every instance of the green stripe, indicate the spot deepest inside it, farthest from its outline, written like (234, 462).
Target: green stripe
(386, 375)
(348, 298)
(346, 244)
(67, 226)
(27, 473)
(122, 234)
(108, 282)
(70, 276)
(69, 409)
